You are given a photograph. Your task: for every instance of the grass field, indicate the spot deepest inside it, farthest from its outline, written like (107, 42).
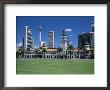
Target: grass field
(54, 66)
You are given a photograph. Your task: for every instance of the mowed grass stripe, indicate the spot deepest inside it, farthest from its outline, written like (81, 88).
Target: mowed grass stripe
(54, 66)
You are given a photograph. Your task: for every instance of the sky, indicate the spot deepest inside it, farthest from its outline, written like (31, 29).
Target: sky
(72, 25)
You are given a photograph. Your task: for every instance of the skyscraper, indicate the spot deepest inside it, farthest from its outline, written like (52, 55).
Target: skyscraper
(86, 37)
(51, 41)
(92, 26)
(80, 41)
(28, 41)
(92, 39)
(92, 34)
(64, 41)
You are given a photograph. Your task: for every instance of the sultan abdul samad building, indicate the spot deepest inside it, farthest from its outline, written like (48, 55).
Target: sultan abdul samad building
(85, 49)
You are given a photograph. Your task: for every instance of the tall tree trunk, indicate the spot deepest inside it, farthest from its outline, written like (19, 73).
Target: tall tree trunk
(44, 55)
(70, 54)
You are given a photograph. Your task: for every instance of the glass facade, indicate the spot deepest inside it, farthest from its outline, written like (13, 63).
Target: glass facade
(51, 39)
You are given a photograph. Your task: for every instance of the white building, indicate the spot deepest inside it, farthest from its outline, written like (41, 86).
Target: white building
(51, 41)
(64, 44)
(28, 40)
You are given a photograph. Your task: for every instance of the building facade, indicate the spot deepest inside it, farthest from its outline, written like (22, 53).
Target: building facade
(28, 40)
(86, 37)
(92, 26)
(64, 41)
(51, 41)
(86, 43)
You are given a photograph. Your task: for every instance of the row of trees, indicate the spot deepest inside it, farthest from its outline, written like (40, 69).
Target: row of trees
(69, 49)
(20, 52)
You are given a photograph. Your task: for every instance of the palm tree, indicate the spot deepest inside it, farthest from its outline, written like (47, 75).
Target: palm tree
(20, 52)
(59, 50)
(67, 53)
(79, 52)
(36, 52)
(17, 54)
(44, 50)
(70, 48)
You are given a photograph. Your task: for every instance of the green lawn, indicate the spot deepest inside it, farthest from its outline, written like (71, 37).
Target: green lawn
(54, 66)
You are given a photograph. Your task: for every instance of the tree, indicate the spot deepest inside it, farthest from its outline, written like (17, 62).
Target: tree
(20, 53)
(70, 49)
(44, 50)
(36, 52)
(17, 54)
(59, 50)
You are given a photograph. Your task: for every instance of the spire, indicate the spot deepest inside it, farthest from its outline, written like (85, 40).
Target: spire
(40, 27)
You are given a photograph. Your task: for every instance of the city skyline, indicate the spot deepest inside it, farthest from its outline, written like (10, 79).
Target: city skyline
(72, 25)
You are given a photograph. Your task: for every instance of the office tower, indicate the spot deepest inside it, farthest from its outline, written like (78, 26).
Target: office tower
(64, 41)
(80, 41)
(40, 30)
(92, 39)
(92, 26)
(86, 38)
(28, 42)
(51, 39)
(92, 34)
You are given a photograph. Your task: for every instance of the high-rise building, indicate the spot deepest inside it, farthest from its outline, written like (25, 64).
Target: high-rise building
(80, 41)
(92, 39)
(51, 39)
(86, 38)
(64, 41)
(28, 41)
(92, 34)
(92, 26)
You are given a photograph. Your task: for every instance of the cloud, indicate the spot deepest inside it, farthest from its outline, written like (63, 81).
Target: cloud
(68, 30)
